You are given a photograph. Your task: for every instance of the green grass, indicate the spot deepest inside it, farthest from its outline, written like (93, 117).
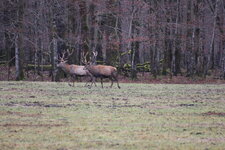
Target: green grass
(45, 115)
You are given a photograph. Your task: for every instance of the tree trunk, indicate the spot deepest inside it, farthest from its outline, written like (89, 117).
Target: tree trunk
(223, 66)
(54, 53)
(126, 28)
(17, 58)
(210, 53)
(104, 47)
(18, 41)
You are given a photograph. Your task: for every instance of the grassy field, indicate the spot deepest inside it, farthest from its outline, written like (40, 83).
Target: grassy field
(54, 116)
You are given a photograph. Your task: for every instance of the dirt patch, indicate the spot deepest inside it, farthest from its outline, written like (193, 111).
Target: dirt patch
(30, 125)
(187, 105)
(213, 113)
(20, 114)
(36, 104)
(125, 106)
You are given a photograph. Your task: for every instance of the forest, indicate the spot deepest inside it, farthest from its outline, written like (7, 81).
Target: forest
(162, 37)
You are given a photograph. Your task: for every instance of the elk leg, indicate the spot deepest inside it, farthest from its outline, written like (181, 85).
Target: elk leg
(116, 81)
(93, 81)
(73, 79)
(87, 82)
(70, 80)
(86, 85)
(118, 84)
(111, 82)
(101, 82)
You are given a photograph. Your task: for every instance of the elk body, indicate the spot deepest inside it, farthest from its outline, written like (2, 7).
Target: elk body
(73, 70)
(101, 71)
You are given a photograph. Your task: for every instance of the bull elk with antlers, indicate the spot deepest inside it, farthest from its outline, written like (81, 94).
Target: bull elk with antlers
(101, 71)
(73, 70)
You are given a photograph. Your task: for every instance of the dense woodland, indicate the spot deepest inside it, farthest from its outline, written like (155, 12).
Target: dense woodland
(163, 37)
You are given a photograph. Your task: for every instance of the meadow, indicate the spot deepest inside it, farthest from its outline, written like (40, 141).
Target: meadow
(55, 116)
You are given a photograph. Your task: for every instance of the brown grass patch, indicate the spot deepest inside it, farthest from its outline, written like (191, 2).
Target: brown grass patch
(213, 113)
(30, 125)
(20, 114)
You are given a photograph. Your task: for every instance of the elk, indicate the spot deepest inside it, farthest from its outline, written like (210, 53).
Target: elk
(101, 71)
(73, 70)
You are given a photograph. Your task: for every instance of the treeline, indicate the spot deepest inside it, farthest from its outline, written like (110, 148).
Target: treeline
(164, 37)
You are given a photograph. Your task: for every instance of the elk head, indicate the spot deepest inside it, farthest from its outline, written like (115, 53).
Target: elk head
(63, 60)
(92, 59)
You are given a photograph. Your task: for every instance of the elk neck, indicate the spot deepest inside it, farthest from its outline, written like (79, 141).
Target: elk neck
(65, 67)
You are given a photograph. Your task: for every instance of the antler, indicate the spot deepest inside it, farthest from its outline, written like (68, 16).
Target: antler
(63, 57)
(95, 54)
(84, 57)
(91, 59)
(69, 53)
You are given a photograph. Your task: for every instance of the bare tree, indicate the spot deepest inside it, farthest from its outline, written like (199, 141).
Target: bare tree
(174, 37)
